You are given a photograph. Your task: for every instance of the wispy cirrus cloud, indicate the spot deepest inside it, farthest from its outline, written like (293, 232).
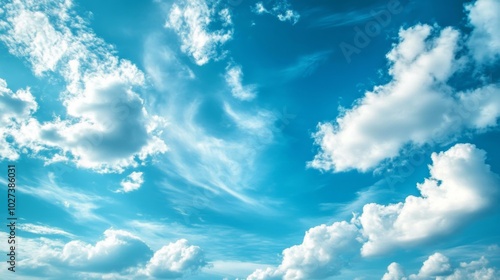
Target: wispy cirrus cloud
(82, 206)
(43, 230)
(342, 19)
(306, 65)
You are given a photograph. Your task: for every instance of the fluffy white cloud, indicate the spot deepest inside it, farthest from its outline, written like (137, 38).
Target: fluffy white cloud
(281, 9)
(416, 107)
(117, 251)
(394, 272)
(474, 270)
(234, 78)
(175, 260)
(29, 33)
(190, 19)
(15, 110)
(324, 251)
(438, 267)
(118, 255)
(133, 182)
(107, 127)
(461, 186)
(484, 41)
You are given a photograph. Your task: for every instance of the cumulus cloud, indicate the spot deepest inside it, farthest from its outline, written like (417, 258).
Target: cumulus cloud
(475, 270)
(118, 255)
(234, 78)
(175, 260)
(117, 251)
(324, 251)
(132, 182)
(484, 41)
(16, 109)
(438, 267)
(394, 272)
(281, 9)
(415, 108)
(107, 127)
(461, 185)
(190, 20)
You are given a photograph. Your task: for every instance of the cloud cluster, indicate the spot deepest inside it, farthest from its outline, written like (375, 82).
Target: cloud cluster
(106, 127)
(281, 9)
(461, 187)
(119, 253)
(418, 106)
(191, 20)
(17, 108)
(324, 251)
(438, 267)
(175, 260)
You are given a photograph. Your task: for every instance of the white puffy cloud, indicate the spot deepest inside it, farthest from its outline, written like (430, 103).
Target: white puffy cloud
(474, 270)
(281, 9)
(118, 255)
(132, 182)
(324, 251)
(29, 32)
(190, 20)
(175, 260)
(394, 272)
(415, 108)
(16, 109)
(461, 186)
(234, 78)
(438, 267)
(484, 40)
(107, 127)
(117, 251)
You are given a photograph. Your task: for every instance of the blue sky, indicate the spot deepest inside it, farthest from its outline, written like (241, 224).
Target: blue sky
(275, 139)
